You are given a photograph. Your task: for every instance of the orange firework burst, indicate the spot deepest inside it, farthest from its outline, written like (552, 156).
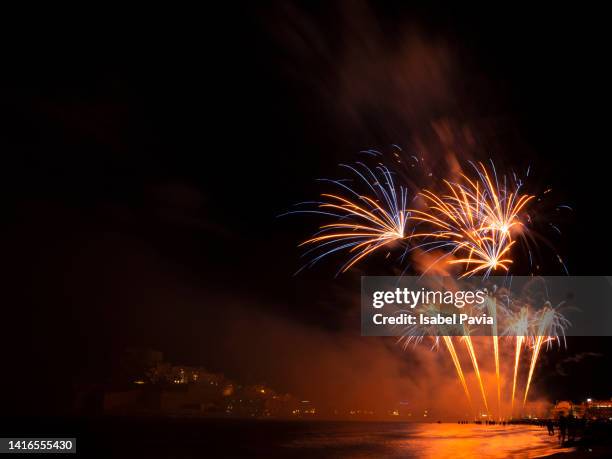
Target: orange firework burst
(476, 219)
(364, 223)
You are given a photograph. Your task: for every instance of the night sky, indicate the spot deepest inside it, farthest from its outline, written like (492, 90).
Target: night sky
(147, 156)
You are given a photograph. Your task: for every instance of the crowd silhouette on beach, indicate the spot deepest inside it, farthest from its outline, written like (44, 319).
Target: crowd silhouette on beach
(567, 427)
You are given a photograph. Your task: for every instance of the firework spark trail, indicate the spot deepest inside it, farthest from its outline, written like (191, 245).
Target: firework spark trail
(517, 358)
(476, 218)
(519, 327)
(451, 350)
(534, 359)
(365, 222)
(492, 309)
(551, 327)
(470, 347)
(496, 353)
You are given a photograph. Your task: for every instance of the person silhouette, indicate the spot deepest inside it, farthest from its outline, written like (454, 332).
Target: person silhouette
(571, 428)
(551, 427)
(562, 428)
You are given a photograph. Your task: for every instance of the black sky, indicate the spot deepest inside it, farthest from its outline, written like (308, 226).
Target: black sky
(147, 155)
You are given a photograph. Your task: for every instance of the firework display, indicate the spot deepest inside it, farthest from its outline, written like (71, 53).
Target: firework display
(470, 226)
(365, 222)
(476, 221)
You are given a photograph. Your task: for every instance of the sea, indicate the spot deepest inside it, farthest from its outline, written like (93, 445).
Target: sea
(226, 438)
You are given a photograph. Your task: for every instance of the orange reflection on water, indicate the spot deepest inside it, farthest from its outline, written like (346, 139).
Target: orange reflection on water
(468, 441)
(375, 440)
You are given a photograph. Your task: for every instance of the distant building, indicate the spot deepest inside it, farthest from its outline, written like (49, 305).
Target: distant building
(282, 406)
(591, 409)
(148, 385)
(598, 409)
(562, 408)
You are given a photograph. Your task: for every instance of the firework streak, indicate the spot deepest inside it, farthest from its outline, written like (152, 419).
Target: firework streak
(364, 223)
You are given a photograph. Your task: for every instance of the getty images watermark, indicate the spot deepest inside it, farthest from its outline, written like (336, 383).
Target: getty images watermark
(492, 306)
